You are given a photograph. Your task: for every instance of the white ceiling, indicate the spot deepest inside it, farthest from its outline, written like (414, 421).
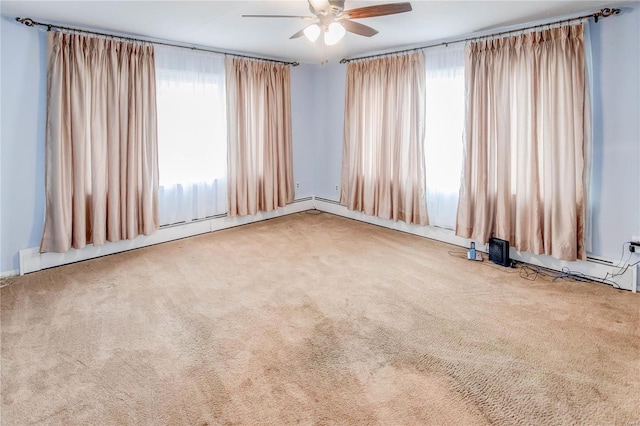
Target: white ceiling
(218, 24)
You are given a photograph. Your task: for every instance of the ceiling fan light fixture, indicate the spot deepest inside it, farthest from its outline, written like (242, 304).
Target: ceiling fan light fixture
(312, 32)
(334, 34)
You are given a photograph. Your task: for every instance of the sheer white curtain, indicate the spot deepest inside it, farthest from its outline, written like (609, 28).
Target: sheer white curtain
(444, 132)
(192, 134)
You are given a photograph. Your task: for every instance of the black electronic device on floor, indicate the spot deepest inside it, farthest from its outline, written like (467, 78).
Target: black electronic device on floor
(499, 251)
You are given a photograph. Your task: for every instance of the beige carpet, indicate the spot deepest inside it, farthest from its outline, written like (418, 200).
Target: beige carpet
(314, 319)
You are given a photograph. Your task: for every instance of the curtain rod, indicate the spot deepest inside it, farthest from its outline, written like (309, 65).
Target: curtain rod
(603, 13)
(31, 23)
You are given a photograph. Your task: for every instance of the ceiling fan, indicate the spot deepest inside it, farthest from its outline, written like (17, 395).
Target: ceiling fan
(334, 21)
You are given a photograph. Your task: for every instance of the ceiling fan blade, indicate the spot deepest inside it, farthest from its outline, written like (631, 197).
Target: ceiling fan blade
(299, 33)
(320, 6)
(379, 10)
(357, 28)
(277, 16)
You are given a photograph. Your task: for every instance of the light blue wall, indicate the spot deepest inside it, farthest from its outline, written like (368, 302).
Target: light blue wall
(22, 119)
(317, 123)
(330, 91)
(304, 140)
(615, 43)
(318, 117)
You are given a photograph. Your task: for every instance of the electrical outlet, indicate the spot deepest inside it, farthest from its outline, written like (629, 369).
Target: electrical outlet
(337, 188)
(297, 185)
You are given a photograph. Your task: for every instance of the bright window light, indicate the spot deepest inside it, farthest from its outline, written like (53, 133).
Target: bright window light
(191, 133)
(444, 133)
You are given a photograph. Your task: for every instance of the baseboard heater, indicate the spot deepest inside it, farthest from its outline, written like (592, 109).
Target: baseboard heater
(326, 200)
(299, 200)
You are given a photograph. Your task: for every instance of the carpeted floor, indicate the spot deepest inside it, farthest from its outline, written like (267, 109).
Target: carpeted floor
(314, 319)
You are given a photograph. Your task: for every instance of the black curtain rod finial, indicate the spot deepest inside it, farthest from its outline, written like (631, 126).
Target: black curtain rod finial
(605, 13)
(26, 21)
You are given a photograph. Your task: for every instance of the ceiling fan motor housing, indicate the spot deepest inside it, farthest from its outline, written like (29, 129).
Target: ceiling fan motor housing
(337, 6)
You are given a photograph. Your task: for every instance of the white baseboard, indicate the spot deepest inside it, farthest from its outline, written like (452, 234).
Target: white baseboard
(626, 281)
(31, 260)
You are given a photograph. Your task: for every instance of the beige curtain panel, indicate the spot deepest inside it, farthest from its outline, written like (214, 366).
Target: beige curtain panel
(523, 173)
(260, 168)
(383, 166)
(101, 145)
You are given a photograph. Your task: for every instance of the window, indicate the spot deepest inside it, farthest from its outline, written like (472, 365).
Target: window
(192, 134)
(444, 132)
